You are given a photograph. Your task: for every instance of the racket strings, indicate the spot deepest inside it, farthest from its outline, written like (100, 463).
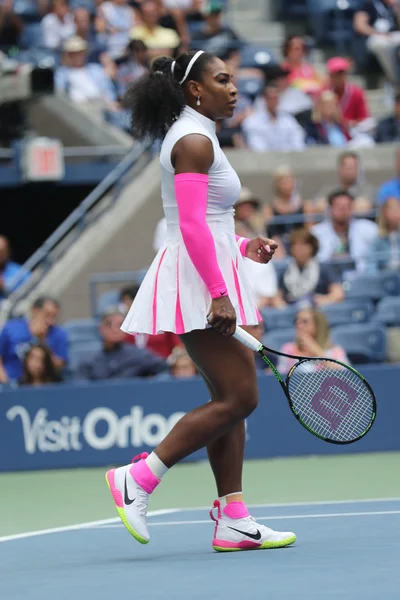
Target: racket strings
(331, 400)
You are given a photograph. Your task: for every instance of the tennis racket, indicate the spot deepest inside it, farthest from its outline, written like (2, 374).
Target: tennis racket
(330, 399)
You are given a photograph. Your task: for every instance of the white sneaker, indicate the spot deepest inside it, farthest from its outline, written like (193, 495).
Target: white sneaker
(246, 534)
(131, 501)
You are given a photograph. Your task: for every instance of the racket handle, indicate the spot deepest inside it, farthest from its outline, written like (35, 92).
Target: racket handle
(247, 340)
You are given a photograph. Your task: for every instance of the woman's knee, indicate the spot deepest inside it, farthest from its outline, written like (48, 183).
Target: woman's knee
(242, 401)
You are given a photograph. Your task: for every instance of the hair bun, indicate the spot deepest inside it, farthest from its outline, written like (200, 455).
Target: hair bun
(162, 65)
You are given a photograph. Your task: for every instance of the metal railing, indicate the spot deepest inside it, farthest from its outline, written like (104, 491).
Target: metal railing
(75, 223)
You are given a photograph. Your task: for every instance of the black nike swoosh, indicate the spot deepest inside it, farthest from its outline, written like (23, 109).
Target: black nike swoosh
(253, 536)
(127, 500)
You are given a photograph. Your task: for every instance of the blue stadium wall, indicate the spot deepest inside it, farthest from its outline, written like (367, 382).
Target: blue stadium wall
(84, 425)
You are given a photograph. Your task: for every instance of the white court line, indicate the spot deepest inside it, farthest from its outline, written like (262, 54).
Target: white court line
(90, 524)
(78, 526)
(271, 518)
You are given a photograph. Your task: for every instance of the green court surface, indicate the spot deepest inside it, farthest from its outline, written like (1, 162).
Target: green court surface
(31, 501)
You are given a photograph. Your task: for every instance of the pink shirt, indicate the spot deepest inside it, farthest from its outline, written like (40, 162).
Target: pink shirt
(304, 77)
(285, 364)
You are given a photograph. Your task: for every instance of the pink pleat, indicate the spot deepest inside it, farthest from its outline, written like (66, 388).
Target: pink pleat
(155, 294)
(179, 324)
(239, 294)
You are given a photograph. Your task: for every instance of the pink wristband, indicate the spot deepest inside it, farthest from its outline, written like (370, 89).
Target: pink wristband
(242, 243)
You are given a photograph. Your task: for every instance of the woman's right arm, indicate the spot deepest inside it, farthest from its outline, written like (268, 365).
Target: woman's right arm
(192, 158)
(361, 24)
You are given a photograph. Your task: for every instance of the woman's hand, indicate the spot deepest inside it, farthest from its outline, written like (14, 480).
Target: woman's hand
(261, 249)
(309, 346)
(223, 316)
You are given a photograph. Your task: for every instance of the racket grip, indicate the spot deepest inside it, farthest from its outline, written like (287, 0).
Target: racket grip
(247, 340)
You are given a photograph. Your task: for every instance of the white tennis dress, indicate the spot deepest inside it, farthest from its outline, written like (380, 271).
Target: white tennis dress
(173, 297)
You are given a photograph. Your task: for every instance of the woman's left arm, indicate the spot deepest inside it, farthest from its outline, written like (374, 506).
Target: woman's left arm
(334, 295)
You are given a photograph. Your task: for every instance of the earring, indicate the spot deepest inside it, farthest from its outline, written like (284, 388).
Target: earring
(198, 101)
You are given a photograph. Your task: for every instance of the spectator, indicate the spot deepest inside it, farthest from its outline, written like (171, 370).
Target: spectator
(87, 83)
(341, 235)
(305, 278)
(258, 332)
(180, 364)
(378, 21)
(326, 127)
(40, 327)
(269, 128)
(312, 339)
(264, 283)
(159, 40)
(10, 26)
(350, 178)
(386, 249)
(117, 359)
(302, 74)
(132, 66)
(161, 344)
(388, 129)
(8, 269)
(115, 19)
(85, 30)
(58, 25)
(247, 211)
(391, 188)
(352, 99)
(38, 367)
(287, 202)
(292, 100)
(215, 36)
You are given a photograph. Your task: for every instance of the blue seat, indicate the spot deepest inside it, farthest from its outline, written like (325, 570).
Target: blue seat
(364, 343)
(81, 330)
(275, 339)
(373, 287)
(390, 281)
(32, 36)
(80, 351)
(255, 57)
(388, 311)
(107, 300)
(250, 86)
(28, 10)
(275, 318)
(355, 310)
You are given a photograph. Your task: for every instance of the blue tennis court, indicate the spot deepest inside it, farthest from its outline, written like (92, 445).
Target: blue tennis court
(346, 549)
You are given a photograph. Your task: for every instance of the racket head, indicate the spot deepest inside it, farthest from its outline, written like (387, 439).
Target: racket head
(331, 400)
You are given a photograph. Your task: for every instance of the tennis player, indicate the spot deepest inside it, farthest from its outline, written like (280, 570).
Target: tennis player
(196, 280)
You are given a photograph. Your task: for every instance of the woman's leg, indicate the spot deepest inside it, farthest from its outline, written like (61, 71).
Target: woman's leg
(229, 369)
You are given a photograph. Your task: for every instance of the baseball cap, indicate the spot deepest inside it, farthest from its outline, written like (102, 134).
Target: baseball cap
(75, 44)
(212, 7)
(337, 64)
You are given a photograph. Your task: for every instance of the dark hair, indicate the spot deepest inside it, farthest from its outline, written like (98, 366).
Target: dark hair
(130, 291)
(157, 99)
(337, 193)
(288, 41)
(50, 374)
(347, 154)
(41, 301)
(306, 237)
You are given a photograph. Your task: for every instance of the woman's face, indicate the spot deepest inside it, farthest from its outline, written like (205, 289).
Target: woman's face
(296, 51)
(305, 323)
(35, 363)
(301, 252)
(285, 185)
(217, 91)
(392, 213)
(183, 367)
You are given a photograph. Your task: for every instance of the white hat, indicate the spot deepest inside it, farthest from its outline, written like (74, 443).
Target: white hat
(75, 44)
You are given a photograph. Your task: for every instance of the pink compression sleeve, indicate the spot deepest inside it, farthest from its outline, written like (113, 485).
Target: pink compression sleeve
(191, 190)
(242, 243)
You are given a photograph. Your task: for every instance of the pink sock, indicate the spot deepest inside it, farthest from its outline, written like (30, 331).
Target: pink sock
(143, 476)
(236, 510)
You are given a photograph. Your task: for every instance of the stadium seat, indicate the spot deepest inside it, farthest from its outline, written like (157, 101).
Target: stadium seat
(388, 311)
(82, 330)
(255, 57)
(391, 283)
(276, 339)
(373, 287)
(107, 300)
(355, 310)
(275, 318)
(82, 350)
(364, 343)
(27, 9)
(250, 86)
(32, 36)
